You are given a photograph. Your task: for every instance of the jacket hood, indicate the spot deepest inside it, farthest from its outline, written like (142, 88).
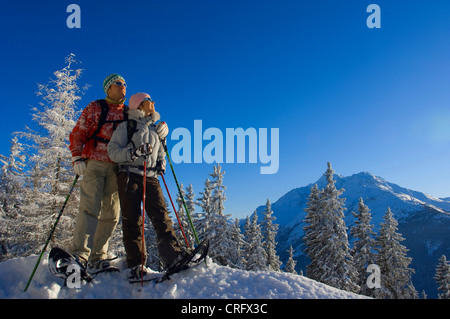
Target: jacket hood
(140, 115)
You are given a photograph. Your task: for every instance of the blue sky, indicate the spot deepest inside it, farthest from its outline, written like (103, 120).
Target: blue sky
(364, 99)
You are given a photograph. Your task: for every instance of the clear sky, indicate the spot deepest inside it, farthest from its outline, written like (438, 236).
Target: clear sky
(364, 99)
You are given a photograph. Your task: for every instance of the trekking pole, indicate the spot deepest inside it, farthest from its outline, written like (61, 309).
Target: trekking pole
(181, 194)
(176, 214)
(143, 220)
(51, 232)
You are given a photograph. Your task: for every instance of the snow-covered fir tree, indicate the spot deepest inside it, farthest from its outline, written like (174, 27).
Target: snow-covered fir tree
(153, 259)
(12, 175)
(291, 263)
(50, 174)
(191, 204)
(312, 229)
(363, 247)
(269, 233)
(442, 278)
(183, 218)
(236, 259)
(218, 231)
(11, 196)
(205, 202)
(255, 255)
(393, 262)
(332, 259)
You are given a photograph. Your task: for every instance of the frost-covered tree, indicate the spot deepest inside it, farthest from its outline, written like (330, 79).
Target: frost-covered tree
(183, 218)
(291, 263)
(363, 247)
(236, 259)
(50, 174)
(312, 229)
(393, 262)
(191, 204)
(11, 196)
(154, 261)
(442, 278)
(330, 252)
(335, 255)
(218, 231)
(218, 189)
(256, 257)
(205, 202)
(12, 174)
(269, 233)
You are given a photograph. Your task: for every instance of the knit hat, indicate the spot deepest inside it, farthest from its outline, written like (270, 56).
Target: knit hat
(136, 100)
(110, 79)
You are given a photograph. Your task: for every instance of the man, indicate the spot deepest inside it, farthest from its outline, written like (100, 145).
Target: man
(99, 200)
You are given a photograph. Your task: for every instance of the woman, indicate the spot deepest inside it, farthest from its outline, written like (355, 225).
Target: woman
(132, 143)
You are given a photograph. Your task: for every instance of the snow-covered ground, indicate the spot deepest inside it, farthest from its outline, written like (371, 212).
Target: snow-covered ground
(201, 282)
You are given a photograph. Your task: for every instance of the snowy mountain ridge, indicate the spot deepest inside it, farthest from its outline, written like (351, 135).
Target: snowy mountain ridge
(424, 220)
(200, 282)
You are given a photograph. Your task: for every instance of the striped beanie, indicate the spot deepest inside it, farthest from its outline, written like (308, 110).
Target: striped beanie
(110, 79)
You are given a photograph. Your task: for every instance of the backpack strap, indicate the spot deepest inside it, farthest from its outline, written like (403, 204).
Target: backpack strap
(102, 120)
(131, 129)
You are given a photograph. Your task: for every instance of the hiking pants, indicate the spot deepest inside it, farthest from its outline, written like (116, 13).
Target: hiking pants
(130, 194)
(99, 211)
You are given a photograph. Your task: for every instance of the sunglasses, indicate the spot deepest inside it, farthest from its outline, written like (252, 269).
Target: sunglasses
(147, 99)
(120, 84)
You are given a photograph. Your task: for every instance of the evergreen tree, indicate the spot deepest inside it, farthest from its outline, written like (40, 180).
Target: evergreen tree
(50, 174)
(219, 232)
(11, 190)
(154, 261)
(256, 257)
(183, 218)
(270, 232)
(291, 263)
(442, 278)
(236, 259)
(393, 262)
(312, 229)
(205, 202)
(330, 251)
(191, 204)
(12, 177)
(363, 247)
(218, 189)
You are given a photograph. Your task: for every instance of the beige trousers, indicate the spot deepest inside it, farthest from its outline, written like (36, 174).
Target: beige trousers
(99, 211)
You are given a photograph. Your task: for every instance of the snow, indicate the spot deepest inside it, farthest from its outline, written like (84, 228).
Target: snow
(209, 281)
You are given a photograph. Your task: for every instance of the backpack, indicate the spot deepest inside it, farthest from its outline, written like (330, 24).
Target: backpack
(131, 129)
(102, 120)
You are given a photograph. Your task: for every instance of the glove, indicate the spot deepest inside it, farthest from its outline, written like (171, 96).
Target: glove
(79, 165)
(162, 130)
(160, 167)
(143, 150)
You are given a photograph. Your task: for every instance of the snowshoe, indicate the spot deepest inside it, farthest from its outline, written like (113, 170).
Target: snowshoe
(59, 262)
(186, 261)
(189, 260)
(135, 274)
(101, 266)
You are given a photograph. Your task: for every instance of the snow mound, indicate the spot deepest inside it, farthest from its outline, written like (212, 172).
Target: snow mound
(209, 281)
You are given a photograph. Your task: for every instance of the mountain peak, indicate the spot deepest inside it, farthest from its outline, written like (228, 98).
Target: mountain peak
(377, 193)
(424, 220)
